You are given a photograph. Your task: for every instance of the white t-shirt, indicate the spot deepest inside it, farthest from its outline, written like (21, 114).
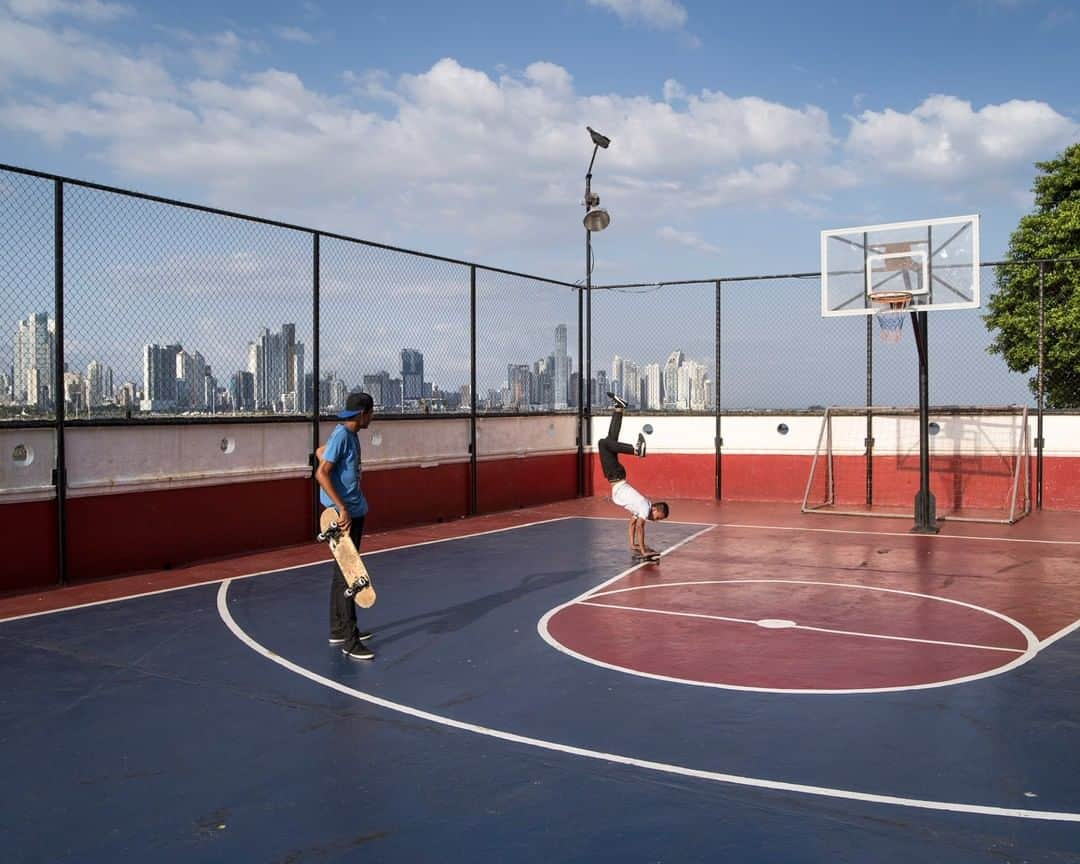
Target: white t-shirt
(625, 495)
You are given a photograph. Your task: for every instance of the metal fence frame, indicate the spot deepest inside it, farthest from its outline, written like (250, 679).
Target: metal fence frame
(583, 412)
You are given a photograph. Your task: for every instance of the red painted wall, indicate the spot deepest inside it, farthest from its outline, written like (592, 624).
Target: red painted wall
(113, 534)
(409, 496)
(29, 544)
(1061, 483)
(505, 484)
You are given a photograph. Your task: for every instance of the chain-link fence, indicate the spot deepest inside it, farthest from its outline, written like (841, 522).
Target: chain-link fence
(526, 344)
(395, 325)
(28, 385)
(172, 311)
(655, 347)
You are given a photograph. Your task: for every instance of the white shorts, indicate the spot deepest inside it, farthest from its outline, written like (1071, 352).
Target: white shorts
(625, 495)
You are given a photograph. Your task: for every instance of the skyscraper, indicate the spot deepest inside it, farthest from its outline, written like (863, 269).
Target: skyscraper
(95, 384)
(672, 396)
(562, 374)
(653, 388)
(159, 377)
(35, 359)
(412, 374)
(616, 384)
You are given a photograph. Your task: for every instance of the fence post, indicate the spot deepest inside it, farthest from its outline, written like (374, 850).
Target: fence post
(581, 393)
(718, 441)
(316, 408)
(473, 479)
(59, 393)
(869, 442)
(1041, 393)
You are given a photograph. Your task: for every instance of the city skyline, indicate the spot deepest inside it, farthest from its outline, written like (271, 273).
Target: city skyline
(179, 380)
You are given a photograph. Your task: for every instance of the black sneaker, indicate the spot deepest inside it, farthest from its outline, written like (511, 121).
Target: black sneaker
(619, 403)
(337, 640)
(359, 651)
(640, 449)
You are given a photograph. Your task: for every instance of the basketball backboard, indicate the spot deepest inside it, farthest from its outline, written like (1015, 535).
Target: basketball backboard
(936, 261)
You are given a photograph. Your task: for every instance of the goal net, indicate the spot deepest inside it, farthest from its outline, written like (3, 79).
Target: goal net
(866, 463)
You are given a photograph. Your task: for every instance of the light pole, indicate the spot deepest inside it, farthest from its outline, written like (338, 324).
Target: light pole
(596, 219)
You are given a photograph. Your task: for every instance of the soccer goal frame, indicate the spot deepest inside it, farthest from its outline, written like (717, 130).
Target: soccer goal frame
(863, 468)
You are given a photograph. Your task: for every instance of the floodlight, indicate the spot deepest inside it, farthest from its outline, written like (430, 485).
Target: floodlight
(597, 219)
(598, 139)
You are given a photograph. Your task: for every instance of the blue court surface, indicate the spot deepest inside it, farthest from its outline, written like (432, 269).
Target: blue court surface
(214, 723)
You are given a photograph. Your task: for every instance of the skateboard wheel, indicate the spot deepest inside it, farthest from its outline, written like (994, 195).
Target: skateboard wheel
(350, 591)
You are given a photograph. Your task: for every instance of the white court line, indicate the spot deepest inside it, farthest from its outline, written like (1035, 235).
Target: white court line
(662, 767)
(1030, 639)
(899, 534)
(278, 569)
(1065, 631)
(802, 627)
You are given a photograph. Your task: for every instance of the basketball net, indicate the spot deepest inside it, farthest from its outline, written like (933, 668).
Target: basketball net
(892, 309)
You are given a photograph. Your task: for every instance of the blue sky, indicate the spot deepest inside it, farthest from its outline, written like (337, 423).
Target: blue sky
(739, 130)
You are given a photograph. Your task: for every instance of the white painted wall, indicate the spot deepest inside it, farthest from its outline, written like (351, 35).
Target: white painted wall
(32, 482)
(503, 437)
(131, 458)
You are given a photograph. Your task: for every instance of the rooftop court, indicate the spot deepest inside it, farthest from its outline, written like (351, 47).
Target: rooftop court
(802, 678)
(780, 688)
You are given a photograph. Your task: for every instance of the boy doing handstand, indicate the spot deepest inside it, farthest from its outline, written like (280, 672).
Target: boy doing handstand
(622, 493)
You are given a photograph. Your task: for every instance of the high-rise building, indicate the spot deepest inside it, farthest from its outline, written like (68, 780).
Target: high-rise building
(35, 360)
(95, 385)
(616, 384)
(672, 395)
(295, 382)
(159, 377)
(631, 387)
(562, 373)
(412, 375)
(190, 372)
(242, 391)
(209, 392)
(127, 396)
(518, 385)
(652, 387)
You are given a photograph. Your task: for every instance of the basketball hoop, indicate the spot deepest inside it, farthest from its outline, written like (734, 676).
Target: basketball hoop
(892, 308)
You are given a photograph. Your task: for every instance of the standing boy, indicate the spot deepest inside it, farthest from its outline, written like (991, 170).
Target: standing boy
(338, 476)
(622, 493)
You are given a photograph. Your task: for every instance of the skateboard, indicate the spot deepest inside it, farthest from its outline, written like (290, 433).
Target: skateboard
(651, 558)
(357, 579)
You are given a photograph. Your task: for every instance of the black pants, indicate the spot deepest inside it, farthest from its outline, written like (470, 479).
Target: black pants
(342, 608)
(610, 448)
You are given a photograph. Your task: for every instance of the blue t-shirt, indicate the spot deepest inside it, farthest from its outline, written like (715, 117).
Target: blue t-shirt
(343, 450)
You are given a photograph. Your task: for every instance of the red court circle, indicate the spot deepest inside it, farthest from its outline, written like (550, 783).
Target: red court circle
(789, 636)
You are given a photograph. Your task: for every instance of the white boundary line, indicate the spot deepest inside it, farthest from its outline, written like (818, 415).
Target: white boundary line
(1030, 639)
(662, 767)
(792, 626)
(898, 534)
(277, 570)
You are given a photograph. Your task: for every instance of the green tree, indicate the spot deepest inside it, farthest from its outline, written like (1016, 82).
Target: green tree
(1051, 231)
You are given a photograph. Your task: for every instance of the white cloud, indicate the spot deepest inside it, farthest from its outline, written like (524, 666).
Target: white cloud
(33, 53)
(295, 34)
(218, 53)
(689, 239)
(87, 10)
(659, 14)
(946, 139)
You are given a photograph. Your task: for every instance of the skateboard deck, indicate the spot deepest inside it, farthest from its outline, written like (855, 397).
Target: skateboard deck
(358, 580)
(652, 558)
